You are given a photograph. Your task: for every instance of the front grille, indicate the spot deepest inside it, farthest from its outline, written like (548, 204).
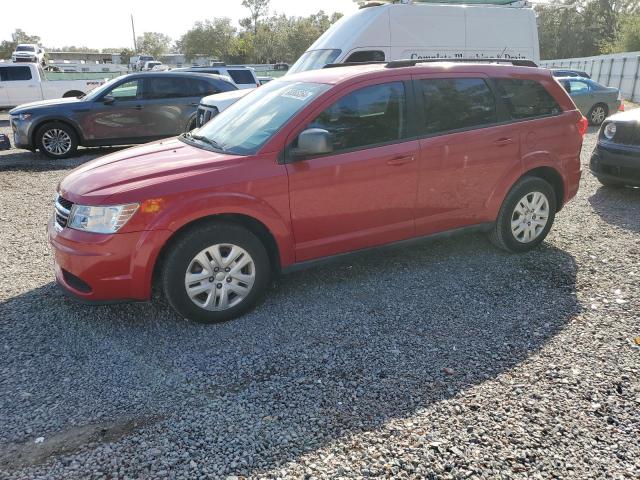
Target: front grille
(62, 211)
(205, 114)
(627, 134)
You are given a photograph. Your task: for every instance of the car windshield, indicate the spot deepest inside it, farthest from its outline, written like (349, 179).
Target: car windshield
(25, 48)
(314, 60)
(247, 125)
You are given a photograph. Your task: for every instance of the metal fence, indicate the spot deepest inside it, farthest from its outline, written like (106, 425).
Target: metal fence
(620, 70)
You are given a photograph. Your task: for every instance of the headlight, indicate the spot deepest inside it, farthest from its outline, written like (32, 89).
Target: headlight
(610, 130)
(22, 116)
(101, 219)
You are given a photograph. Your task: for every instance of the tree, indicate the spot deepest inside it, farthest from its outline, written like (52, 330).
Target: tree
(211, 37)
(627, 39)
(258, 9)
(580, 28)
(125, 56)
(153, 43)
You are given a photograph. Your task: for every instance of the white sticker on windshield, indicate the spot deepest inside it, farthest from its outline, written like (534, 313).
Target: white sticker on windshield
(297, 94)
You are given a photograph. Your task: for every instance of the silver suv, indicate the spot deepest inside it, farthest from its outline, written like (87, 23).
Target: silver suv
(243, 77)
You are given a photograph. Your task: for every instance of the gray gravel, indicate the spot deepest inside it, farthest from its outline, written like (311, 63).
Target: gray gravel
(446, 360)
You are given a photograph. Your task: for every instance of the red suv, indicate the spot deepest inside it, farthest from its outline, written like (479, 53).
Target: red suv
(314, 165)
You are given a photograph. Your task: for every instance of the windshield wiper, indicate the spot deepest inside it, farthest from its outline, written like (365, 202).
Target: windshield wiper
(206, 140)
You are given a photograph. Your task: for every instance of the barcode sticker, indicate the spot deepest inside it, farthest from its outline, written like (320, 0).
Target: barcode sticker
(297, 94)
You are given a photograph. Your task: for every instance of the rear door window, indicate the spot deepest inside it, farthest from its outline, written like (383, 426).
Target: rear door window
(9, 74)
(242, 77)
(366, 117)
(526, 99)
(167, 87)
(456, 104)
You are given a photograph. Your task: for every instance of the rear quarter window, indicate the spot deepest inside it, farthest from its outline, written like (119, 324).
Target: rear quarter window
(526, 99)
(242, 76)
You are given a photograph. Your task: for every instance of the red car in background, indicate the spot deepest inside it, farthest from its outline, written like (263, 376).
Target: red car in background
(318, 164)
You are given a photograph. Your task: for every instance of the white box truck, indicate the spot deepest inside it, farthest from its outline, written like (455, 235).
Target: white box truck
(427, 30)
(417, 30)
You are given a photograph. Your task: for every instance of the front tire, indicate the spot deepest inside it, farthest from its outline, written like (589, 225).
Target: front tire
(57, 140)
(526, 216)
(216, 272)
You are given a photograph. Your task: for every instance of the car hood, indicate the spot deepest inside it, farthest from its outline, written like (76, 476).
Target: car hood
(211, 100)
(628, 116)
(43, 104)
(137, 168)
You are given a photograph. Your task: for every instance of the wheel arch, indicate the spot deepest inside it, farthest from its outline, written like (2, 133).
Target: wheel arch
(44, 121)
(72, 93)
(553, 178)
(255, 226)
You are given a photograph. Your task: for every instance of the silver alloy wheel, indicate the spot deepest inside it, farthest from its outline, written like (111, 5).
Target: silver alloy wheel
(530, 217)
(56, 141)
(220, 277)
(598, 115)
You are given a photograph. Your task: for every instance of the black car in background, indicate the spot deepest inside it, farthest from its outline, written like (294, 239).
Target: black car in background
(130, 109)
(570, 73)
(616, 159)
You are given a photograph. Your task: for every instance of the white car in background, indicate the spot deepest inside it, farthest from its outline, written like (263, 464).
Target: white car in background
(214, 104)
(151, 65)
(28, 52)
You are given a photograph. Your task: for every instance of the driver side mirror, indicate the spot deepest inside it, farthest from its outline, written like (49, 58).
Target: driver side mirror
(108, 99)
(313, 141)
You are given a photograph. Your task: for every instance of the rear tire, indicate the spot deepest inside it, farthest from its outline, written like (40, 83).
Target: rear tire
(72, 94)
(56, 140)
(526, 216)
(598, 114)
(216, 272)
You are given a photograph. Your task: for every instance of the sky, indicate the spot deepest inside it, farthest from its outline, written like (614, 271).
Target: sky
(108, 24)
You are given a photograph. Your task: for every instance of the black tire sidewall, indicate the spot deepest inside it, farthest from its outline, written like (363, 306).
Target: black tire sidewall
(188, 246)
(525, 186)
(61, 126)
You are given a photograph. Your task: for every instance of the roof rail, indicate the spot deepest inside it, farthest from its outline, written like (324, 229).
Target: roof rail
(353, 64)
(413, 63)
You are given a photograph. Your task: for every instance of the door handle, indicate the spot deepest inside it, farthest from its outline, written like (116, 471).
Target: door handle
(194, 104)
(503, 142)
(401, 160)
(138, 107)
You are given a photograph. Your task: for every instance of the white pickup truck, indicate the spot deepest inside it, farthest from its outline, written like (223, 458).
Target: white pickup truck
(23, 83)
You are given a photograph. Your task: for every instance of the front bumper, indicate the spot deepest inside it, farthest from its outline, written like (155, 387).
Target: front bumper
(21, 136)
(619, 163)
(97, 268)
(25, 59)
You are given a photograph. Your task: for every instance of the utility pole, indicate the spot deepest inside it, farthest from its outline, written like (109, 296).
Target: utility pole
(133, 29)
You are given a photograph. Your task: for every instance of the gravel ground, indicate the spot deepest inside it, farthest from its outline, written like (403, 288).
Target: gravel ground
(446, 360)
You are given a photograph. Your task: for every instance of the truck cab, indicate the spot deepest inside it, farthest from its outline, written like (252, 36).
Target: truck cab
(27, 82)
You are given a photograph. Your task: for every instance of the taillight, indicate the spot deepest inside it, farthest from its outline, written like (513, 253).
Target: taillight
(621, 107)
(583, 126)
